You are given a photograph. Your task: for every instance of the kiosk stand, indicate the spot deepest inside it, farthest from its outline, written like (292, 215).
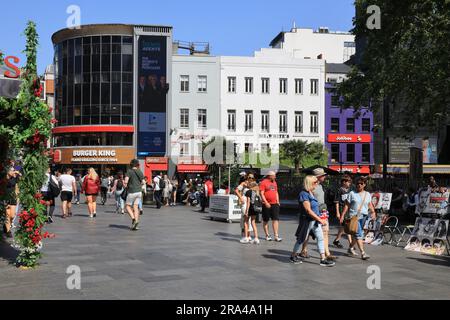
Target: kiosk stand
(224, 207)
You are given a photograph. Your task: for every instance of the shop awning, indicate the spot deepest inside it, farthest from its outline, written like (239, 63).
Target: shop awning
(192, 168)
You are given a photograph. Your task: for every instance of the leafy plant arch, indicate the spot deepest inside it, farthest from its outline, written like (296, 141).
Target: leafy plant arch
(25, 131)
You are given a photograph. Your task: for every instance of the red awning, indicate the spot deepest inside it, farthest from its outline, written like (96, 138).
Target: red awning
(192, 168)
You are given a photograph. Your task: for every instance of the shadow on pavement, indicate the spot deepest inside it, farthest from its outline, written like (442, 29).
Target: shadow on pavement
(7, 252)
(116, 226)
(434, 260)
(225, 234)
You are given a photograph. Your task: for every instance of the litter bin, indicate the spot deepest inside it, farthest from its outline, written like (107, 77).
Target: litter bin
(148, 197)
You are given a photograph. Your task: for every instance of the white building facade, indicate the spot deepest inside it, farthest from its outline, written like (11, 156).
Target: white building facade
(195, 105)
(334, 46)
(270, 98)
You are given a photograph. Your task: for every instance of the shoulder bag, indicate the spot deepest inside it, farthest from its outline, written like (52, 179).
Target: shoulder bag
(124, 193)
(351, 225)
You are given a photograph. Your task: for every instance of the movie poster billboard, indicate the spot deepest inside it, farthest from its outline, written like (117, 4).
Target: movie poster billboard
(429, 236)
(399, 149)
(152, 89)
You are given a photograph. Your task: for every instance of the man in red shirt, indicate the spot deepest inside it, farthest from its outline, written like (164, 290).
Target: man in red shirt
(271, 205)
(208, 192)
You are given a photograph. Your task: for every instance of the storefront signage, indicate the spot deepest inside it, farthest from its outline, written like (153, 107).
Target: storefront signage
(93, 156)
(156, 160)
(13, 71)
(349, 138)
(274, 136)
(352, 169)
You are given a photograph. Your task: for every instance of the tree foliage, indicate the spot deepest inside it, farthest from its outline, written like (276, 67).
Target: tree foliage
(302, 153)
(406, 61)
(26, 131)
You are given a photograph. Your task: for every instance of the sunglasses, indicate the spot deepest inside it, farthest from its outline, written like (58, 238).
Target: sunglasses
(360, 184)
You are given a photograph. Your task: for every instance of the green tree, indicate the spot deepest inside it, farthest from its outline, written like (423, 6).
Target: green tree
(295, 151)
(406, 61)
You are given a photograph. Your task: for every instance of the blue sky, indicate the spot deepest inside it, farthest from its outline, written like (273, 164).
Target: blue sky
(231, 27)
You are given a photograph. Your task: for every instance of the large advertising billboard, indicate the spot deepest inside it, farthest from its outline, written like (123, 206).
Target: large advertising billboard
(399, 149)
(152, 96)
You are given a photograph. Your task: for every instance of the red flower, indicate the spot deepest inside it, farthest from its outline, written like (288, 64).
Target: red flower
(50, 109)
(38, 196)
(53, 121)
(42, 202)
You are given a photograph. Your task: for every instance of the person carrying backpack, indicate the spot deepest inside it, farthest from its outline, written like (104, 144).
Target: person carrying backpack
(50, 190)
(158, 186)
(117, 189)
(254, 207)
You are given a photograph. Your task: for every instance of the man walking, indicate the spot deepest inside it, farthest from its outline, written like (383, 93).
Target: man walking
(271, 209)
(133, 183)
(157, 191)
(207, 192)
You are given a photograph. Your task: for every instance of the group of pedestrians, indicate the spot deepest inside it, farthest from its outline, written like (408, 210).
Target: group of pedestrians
(313, 221)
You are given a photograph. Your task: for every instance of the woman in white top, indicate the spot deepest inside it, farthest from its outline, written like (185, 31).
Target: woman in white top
(68, 190)
(358, 204)
(166, 190)
(48, 196)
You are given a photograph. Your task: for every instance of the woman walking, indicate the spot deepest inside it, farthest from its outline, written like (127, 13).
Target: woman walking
(358, 205)
(253, 208)
(79, 185)
(166, 191)
(174, 191)
(91, 187)
(12, 195)
(48, 195)
(117, 189)
(68, 190)
(309, 222)
(133, 183)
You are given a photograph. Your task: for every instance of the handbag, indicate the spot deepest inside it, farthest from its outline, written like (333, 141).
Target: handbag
(351, 225)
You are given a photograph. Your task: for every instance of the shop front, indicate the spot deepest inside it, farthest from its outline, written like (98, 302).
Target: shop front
(102, 159)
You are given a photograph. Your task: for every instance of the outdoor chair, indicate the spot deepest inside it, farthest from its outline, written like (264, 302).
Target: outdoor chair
(394, 233)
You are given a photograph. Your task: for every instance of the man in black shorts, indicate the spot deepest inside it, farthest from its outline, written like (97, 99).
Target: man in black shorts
(339, 200)
(271, 205)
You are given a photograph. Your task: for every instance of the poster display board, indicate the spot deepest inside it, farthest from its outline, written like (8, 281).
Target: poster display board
(381, 200)
(225, 207)
(434, 202)
(429, 236)
(152, 90)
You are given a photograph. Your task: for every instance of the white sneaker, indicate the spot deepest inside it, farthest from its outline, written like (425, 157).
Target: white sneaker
(278, 239)
(269, 238)
(255, 241)
(352, 252)
(245, 240)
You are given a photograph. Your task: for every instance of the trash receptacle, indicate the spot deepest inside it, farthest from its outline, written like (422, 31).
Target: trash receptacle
(148, 198)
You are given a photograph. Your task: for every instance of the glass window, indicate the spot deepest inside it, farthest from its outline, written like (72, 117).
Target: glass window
(265, 84)
(334, 124)
(298, 86)
(115, 93)
(231, 120)
(184, 118)
(184, 149)
(248, 147)
(283, 85)
(366, 124)
(365, 152)
(350, 152)
(106, 62)
(314, 86)
(248, 85)
(248, 121)
(350, 124)
(335, 100)
(127, 93)
(201, 119)
(298, 122)
(127, 63)
(265, 121)
(314, 122)
(202, 83)
(232, 84)
(335, 153)
(283, 121)
(184, 83)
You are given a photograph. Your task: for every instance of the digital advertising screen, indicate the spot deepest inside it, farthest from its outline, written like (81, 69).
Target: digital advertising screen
(152, 96)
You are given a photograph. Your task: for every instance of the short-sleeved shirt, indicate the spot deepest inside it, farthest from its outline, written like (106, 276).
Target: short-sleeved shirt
(270, 190)
(355, 200)
(135, 180)
(319, 194)
(156, 183)
(67, 180)
(306, 196)
(340, 197)
(249, 194)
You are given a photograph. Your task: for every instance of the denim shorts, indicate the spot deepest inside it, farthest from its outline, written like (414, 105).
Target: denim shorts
(133, 197)
(360, 232)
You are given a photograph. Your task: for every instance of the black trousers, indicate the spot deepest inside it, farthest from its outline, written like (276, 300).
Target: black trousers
(204, 202)
(158, 195)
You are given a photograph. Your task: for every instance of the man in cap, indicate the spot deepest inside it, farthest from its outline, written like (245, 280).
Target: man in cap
(271, 201)
(319, 194)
